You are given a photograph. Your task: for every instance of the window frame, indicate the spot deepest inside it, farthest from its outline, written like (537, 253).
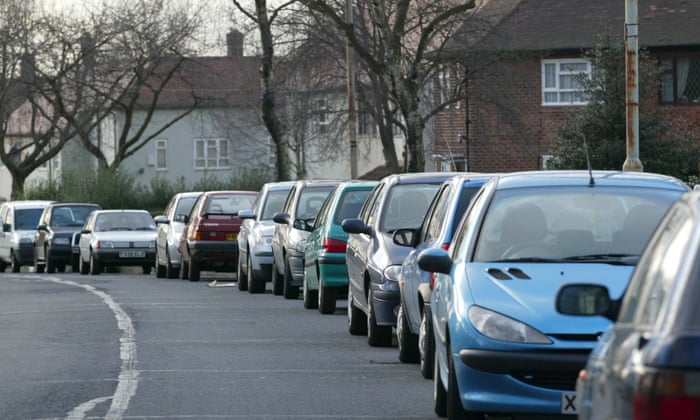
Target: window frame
(558, 62)
(161, 145)
(219, 158)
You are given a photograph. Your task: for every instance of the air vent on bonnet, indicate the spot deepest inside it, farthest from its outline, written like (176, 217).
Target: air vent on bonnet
(508, 274)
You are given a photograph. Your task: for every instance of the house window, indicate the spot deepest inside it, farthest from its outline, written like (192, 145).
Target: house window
(560, 81)
(322, 120)
(680, 81)
(444, 84)
(211, 154)
(366, 124)
(161, 155)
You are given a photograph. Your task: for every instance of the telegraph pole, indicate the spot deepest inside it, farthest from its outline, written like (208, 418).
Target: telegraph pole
(632, 162)
(352, 115)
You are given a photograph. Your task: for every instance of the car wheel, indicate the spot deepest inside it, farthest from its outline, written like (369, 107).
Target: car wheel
(16, 266)
(75, 263)
(256, 284)
(426, 345)
(310, 296)
(3, 266)
(439, 392)
(146, 268)
(82, 266)
(194, 271)
(326, 298)
(407, 341)
(50, 265)
(453, 398)
(377, 335)
(277, 280)
(184, 270)
(170, 271)
(242, 276)
(160, 268)
(290, 292)
(357, 321)
(38, 267)
(95, 266)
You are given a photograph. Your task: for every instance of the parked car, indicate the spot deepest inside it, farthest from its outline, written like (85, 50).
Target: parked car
(170, 226)
(413, 329)
(56, 234)
(209, 241)
(325, 273)
(19, 220)
(501, 347)
(373, 258)
(117, 238)
(255, 237)
(291, 229)
(647, 365)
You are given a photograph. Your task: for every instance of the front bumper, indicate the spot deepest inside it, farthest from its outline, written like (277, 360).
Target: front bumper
(111, 257)
(296, 267)
(386, 299)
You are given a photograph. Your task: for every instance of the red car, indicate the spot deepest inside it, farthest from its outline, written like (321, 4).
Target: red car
(210, 239)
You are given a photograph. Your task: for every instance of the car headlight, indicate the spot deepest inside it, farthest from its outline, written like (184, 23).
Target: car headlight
(152, 245)
(259, 238)
(61, 241)
(392, 272)
(299, 245)
(503, 328)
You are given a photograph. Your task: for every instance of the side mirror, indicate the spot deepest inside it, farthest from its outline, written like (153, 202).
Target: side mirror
(246, 214)
(282, 218)
(435, 260)
(6, 227)
(405, 237)
(356, 226)
(161, 220)
(586, 300)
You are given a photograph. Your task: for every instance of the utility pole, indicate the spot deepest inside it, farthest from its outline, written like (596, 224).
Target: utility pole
(352, 114)
(632, 162)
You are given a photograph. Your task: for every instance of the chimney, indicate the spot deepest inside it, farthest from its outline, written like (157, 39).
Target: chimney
(234, 43)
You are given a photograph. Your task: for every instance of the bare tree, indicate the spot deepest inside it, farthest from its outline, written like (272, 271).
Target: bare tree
(399, 47)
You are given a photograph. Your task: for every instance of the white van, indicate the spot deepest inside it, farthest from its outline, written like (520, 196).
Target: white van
(19, 221)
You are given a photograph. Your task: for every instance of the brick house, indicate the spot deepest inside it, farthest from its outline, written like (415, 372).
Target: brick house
(516, 105)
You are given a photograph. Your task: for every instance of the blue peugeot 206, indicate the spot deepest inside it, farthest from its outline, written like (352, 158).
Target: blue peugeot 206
(501, 346)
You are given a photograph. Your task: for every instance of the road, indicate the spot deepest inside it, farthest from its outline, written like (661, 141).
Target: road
(127, 345)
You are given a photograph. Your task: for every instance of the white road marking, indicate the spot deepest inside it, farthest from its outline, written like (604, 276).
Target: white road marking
(128, 376)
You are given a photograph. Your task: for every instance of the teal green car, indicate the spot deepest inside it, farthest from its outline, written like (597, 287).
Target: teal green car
(325, 273)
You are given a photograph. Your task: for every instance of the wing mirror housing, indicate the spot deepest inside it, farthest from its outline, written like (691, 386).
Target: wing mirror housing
(435, 260)
(356, 226)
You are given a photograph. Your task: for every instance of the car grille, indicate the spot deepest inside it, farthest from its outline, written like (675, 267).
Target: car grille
(563, 381)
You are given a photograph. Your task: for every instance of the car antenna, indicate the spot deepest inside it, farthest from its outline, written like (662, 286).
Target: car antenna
(591, 182)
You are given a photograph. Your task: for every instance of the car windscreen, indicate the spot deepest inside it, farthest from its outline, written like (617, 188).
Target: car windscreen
(406, 205)
(124, 221)
(350, 204)
(27, 219)
(183, 208)
(273, 204)
(71, 215)
(570, 222)
(310, 201)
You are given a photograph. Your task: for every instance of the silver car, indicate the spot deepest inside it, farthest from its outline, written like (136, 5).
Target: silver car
(19, 221)
(170, 226)
(255, 237)
(117, 238)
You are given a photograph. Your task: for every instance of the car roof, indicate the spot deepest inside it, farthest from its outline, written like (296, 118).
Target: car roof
(583, 177)
(357, 183)
(188, 194)
(57, 204)
(315, 182)
(229, 192)
(418, 177)
(120, 211)
(28, 204)
(279, 186)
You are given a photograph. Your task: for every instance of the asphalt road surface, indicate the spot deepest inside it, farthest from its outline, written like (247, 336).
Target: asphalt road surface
(127, 345)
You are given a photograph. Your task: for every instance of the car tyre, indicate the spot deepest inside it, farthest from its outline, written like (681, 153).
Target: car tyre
(184, 270)
(95, 266)
(16, 266)
(426, 343)
(453, 398)
(241, 276)
(290, 292)
(310, 296)
(407, 341)
(82, 266)
(256, 284)
(50, 265)
(160, 268)
(277, 280)
(439, 392)
(377, 335)
(171, 271)
(357, 320)
(326, 298)
(194, 271)
(38, 267)
(146, 268)
(75, 263)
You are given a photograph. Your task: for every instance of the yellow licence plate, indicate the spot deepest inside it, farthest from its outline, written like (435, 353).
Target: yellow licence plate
(231, 236)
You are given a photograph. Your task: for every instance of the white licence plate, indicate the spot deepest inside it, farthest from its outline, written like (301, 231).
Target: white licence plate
(568, 403)
(132, 254)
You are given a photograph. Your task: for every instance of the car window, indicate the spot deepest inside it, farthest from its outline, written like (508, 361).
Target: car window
(228, 204)
(458, 246)
(289, 202)
(655, 273)
(310, 201)
(406, 205)
(273, 204)
(183, 208)
(350, 204)
(437, 212)
(369, 209)
(571, 222)
(322, 215)
(27, 219)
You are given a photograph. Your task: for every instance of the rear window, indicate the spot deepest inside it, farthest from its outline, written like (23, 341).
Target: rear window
(350, 204)
(406, 206)
(228, 204)
(311, 200)
(27, 219)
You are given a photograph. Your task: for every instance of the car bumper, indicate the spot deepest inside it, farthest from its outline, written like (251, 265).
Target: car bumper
(386, 302)
(25, 254)
(215, 255)
(60, 252)
(112, 257)
(517, 382)
(296, 267)
(333, 270)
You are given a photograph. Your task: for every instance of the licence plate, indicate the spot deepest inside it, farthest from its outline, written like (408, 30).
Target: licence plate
(231, 236)
(568, 403)
(132, 254)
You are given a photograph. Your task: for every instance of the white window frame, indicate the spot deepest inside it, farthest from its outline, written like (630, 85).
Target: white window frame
(322, 117)
(444, 84)
(558, 73)
(206, 161)
(161, 146)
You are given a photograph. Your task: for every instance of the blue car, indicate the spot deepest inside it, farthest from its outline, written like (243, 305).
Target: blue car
(413, 333)
(501, 346)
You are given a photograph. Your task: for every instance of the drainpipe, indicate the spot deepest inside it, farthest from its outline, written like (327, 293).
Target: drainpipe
(632, 162)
